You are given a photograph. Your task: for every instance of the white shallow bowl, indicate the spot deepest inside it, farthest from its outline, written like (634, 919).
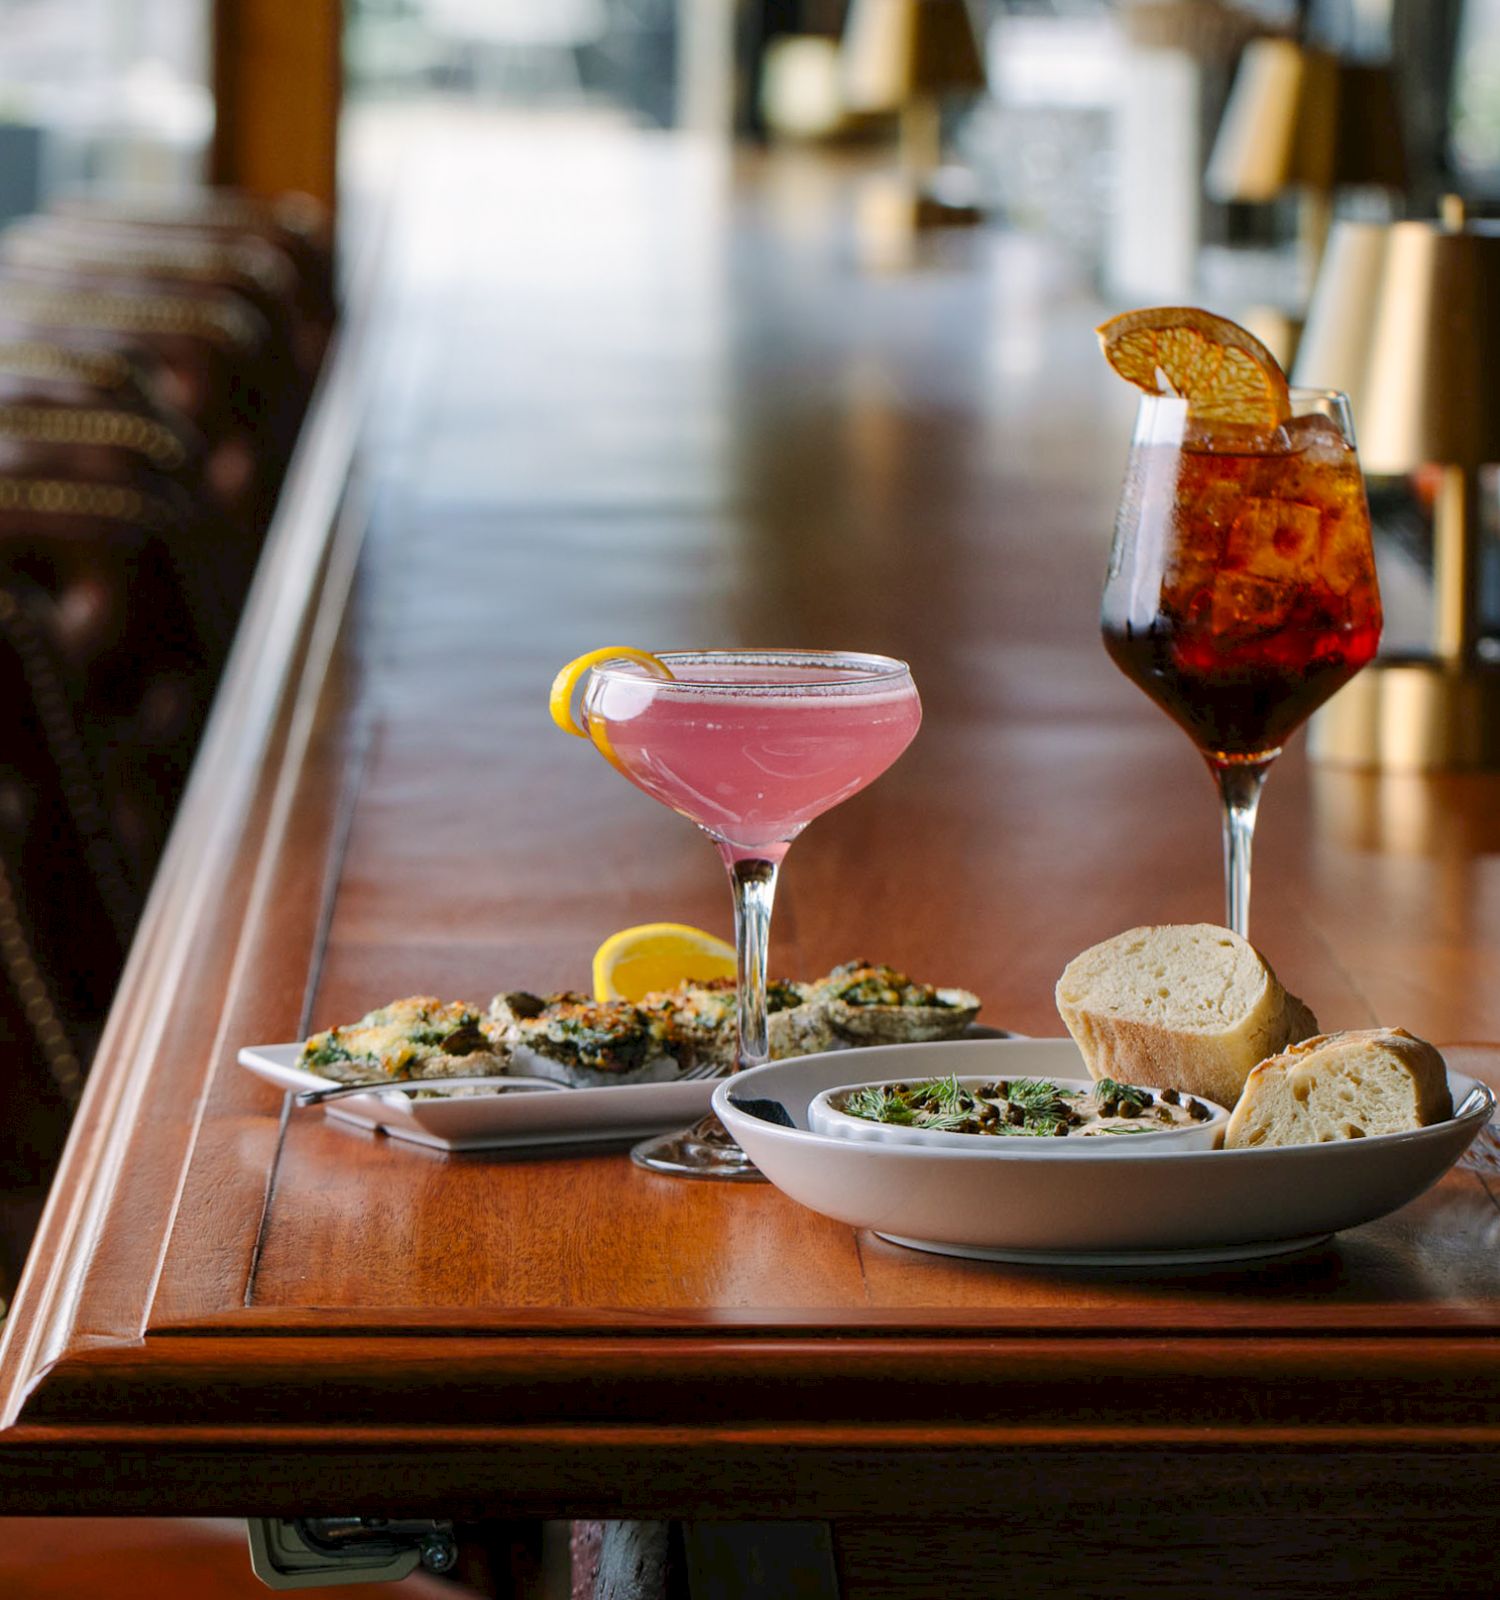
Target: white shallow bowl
(1113, 1208)
(825, 1117)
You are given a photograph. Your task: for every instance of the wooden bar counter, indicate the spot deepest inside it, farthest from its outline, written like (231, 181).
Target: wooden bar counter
(615, 393)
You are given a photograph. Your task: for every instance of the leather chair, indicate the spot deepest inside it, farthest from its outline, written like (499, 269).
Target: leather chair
(131, 603)
(65, 374)
(206, 351)
(68, 904)
(107, 257)
(96, 444)
(295, 223)
(156, 458)
(106, 635)
(249, 265)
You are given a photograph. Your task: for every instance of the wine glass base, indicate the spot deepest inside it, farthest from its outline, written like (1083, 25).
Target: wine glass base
(706, 1150)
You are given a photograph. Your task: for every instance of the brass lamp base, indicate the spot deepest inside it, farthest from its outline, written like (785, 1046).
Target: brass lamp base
(1412, 716)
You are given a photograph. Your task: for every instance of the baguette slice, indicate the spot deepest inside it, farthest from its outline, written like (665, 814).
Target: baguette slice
(1342, 1086)
(1189, 1006)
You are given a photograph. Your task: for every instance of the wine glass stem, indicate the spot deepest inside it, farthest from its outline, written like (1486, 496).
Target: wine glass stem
(1240, 783)
(754, 883)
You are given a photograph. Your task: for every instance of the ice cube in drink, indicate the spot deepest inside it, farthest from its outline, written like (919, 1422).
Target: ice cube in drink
(1242, 588)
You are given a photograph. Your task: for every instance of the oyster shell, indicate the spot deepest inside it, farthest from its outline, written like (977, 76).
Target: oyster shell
(420, 1036)
(702, 1016)
(573, 1039)
(866, 1004)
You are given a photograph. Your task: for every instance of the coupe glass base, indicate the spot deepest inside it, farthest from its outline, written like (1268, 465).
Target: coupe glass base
(706, 1150)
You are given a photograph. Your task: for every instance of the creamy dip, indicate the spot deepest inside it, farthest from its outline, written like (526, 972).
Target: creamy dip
(1025, 1108)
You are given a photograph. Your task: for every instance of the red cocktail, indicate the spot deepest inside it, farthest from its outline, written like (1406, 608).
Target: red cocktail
(1241, 590)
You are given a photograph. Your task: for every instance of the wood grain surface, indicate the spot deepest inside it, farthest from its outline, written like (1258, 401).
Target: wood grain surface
(613, 391)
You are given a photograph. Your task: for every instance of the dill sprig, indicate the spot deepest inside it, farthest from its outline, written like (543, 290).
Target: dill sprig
(1032, 1094)
(948, 1094)
(941, 1103)
(1131, 1101)
(880, 1104)
(1042, 1105)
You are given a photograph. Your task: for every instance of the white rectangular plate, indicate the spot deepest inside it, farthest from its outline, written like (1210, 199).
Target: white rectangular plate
(511, 1119)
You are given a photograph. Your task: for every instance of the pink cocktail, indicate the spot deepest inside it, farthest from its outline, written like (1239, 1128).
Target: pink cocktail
(751, 745)
(752, 753)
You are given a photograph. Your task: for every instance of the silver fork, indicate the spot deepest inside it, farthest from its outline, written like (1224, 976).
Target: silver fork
(318, 1097)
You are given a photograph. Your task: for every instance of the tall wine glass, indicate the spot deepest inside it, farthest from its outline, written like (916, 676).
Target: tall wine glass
(1241, 590)
(751, 745)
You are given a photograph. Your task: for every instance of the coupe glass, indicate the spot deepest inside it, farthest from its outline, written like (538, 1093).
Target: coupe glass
(751, 745)
(1241, 590)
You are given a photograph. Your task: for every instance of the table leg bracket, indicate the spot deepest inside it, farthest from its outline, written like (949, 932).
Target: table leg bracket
(313, 1552)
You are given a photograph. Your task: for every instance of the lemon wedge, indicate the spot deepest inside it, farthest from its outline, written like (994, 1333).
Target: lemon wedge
(560, 701)
(658, 955)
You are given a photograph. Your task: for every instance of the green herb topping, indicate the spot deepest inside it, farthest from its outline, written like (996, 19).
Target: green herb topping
(1018, 1108)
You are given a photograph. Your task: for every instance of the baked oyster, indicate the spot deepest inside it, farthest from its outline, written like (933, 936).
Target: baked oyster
(865, 1004)
(702, 1016)
(419, 1037)
(573, 1039)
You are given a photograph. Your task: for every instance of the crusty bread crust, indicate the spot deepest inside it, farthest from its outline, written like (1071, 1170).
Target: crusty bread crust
(1211, 1056)
(1342, 1086)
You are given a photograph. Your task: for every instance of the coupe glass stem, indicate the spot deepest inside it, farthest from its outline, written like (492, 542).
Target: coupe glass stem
(1240, 783)
(708, 1149)
(753, 880)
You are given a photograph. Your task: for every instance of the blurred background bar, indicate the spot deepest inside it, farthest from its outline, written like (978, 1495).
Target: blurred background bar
(175, 176)
(181, 181)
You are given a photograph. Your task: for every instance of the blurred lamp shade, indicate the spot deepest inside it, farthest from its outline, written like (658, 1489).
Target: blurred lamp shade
(1406, 320)
(1300, 118)
(897, 51)
(906, 56)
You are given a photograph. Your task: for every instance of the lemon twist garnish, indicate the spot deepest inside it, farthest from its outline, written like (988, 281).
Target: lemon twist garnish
(1223, 371)
(560, 702)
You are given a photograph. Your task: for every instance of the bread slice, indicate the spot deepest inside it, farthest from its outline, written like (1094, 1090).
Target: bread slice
(1342, 1086)
(1187, 1006)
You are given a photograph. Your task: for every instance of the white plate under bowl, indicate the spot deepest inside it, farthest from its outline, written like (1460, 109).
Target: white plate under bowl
(1117, 1208)
(510, 1119)
(823, 1116)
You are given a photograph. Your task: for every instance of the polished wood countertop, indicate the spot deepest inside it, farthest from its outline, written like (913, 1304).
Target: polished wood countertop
(617, 393)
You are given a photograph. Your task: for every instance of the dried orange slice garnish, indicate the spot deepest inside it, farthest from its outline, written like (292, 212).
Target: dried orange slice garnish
(560, 701)
(1223, 372)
